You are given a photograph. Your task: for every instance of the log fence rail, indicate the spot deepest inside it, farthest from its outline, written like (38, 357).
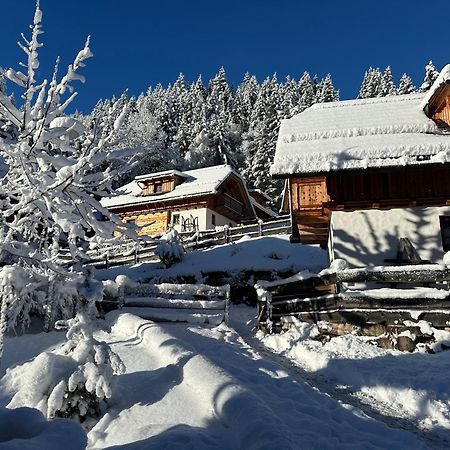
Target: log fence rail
(314, 297)
(144, 249)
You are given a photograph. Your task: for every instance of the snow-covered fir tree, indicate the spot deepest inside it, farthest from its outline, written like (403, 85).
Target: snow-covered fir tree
(306, 90)
(326, 92)
(83, 393)
(371, 84)
(259, 142)
(387, 86)
(244, 101)
(406, 85)
(430, 77)
(223, 132)
(289, 98)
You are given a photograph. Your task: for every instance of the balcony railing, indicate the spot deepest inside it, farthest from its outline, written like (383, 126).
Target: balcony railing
(233, 205)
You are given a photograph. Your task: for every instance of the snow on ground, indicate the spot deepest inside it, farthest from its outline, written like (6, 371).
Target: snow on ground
(268, 253)
(412, 386)
(26, 428)
(193, 388)
(18, 349)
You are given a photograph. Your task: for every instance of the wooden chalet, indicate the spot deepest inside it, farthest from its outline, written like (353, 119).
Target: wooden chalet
(193, 200)
(371, 171)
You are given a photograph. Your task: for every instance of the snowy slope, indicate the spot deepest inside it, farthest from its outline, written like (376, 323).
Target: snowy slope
(270, 253)
(402, 385)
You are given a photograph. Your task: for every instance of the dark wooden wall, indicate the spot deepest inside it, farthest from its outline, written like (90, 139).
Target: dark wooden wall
(406, 186)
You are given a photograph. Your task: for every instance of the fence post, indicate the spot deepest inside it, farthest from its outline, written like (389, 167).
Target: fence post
(121, 295)
(226, 232)
(269, 311)
(227, 305)
(260, 228)
(264, 307)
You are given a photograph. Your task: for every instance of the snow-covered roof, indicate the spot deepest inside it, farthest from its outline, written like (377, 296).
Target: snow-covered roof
(165, 173)
(357, 134)
(265, 209)
(262, 193)
(197, 182)
(443, 78)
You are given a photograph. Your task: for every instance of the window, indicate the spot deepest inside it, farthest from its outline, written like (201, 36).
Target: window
(176, 219)
(445, 232)
(158, 187)
(213, 219)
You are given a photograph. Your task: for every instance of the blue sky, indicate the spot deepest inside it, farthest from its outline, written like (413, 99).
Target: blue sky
(138, 43)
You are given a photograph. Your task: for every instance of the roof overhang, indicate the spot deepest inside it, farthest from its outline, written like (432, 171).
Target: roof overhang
(359, 169)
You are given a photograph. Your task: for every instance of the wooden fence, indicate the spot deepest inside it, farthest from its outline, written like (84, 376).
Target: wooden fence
(313, 298)
(144, 249)
(192, 303)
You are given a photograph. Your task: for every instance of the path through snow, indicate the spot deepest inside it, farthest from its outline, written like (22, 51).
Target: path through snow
(408, 391)
(198, 388)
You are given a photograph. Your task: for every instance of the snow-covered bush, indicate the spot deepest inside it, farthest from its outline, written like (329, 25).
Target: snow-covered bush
(170, 248)
(74, 381)
(81, 395)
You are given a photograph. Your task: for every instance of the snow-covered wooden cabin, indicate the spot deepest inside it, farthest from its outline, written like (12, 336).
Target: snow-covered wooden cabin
(192, 200)
(361, 174)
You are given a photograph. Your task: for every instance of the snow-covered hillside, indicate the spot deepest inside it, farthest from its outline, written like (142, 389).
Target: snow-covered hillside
(269, 254)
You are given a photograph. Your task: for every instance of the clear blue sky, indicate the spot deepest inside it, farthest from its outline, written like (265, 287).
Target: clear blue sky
(138, 43)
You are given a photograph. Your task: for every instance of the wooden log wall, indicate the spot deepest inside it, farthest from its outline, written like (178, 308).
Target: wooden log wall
(444, 113)
(151, 224)
(402, 187)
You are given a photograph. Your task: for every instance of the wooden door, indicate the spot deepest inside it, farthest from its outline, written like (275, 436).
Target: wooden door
(312, 193)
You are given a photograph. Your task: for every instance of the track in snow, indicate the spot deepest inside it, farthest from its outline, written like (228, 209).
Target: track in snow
(371, 407)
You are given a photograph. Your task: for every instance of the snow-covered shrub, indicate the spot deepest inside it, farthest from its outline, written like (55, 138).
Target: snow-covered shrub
(81, 395)
(170, 248)
(74, 381)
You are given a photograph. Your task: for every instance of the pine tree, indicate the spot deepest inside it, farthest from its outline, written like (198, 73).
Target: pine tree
(289, 96)
(260, 141)
(306, 91)
(430, 77)
(406, 85)
(326, 91)
(223, 133)
(387, 86)
(244, 102)
(371, 84)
